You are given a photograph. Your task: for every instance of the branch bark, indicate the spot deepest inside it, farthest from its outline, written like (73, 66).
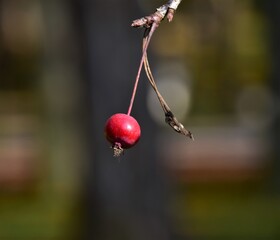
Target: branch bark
(167, 10)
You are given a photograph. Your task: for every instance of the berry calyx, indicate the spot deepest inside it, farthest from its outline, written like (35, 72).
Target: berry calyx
(122, 131)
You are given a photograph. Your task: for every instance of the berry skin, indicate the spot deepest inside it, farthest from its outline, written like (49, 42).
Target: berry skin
(122, 131)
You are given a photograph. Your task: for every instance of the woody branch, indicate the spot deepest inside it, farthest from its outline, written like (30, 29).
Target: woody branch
(167, 10)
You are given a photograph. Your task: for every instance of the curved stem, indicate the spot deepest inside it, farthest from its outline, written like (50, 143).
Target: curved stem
(151, 31)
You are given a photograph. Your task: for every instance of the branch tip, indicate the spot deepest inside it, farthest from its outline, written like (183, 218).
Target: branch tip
(167, 10)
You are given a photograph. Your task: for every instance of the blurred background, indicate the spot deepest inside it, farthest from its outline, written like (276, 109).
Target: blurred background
(66, 66)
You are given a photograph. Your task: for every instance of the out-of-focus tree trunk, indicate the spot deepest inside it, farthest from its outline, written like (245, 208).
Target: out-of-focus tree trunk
(125, 198)
(272, 8)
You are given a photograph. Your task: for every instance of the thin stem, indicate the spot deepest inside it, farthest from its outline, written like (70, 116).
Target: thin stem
(140, 68)
(135, 85)
(170, 119)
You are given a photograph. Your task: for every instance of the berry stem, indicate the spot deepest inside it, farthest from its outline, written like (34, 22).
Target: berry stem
(135, 85)
(153, 27)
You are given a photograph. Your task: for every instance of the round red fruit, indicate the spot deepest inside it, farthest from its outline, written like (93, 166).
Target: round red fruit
(122, 131)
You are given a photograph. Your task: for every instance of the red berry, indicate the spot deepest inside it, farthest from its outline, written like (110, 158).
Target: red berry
(123, 131)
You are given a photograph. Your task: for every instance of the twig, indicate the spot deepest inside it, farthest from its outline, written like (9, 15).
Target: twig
(151, 23)
(167, 10)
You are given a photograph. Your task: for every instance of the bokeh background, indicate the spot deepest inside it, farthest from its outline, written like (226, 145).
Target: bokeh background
(66, 66)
